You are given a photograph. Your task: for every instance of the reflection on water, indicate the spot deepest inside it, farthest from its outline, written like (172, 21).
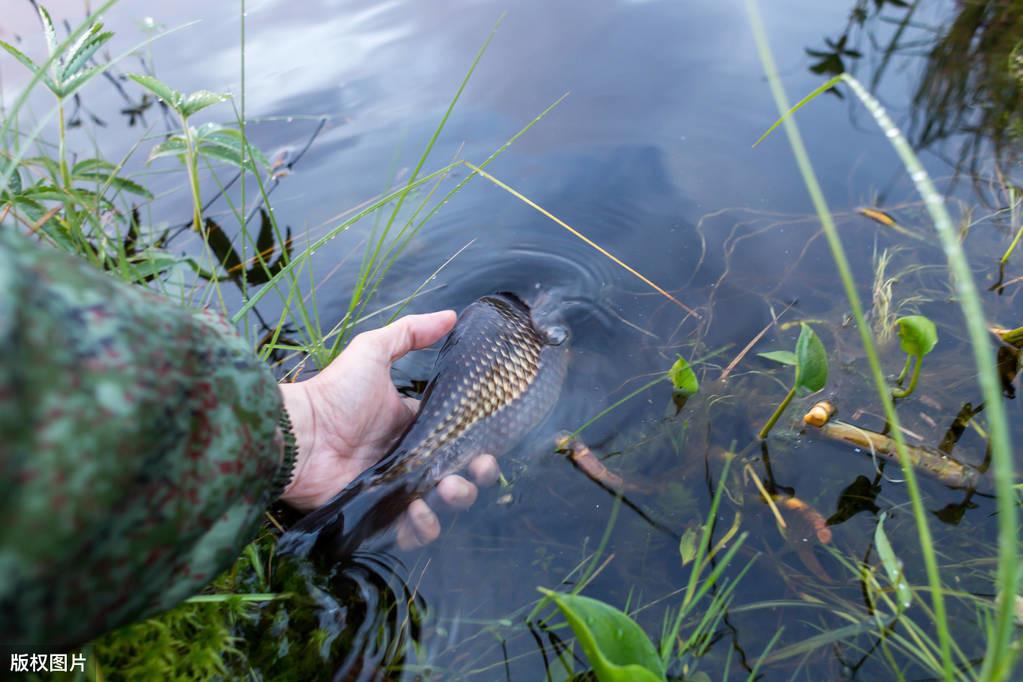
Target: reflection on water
(650, 157)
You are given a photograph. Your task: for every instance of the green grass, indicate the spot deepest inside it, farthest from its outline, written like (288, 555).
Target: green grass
(998, 660)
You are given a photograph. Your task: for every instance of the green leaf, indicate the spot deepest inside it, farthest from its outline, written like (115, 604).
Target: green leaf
(785, 357)
(226, 144)
(199, 100)
(68, 87)
(48, 30)
(29, 64)
(811, 361)
(84, 51)
(892, 565)
(799, 105)
(917, 335)
(615, 645)
(175, 145)
(683, 378)
(117, 182)
(14, 184)
(91, 165)
(154, 262)
(169, 95)
(687, 545)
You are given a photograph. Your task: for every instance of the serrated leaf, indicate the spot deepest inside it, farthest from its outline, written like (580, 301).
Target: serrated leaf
(91, 165)
(230, 140)
(68, 87)
(687, 545)
(14, 183)
(683, 378)
(25, 60)
(892, 565)
(917, 335)
(811, 361)
(84, 53)
(199, 100)
(615, 645)
(174, 145)
(169, 95)
(48, 30)
(785, 357)
(117, 182)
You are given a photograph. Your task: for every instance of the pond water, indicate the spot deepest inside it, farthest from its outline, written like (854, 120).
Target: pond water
(650, 156)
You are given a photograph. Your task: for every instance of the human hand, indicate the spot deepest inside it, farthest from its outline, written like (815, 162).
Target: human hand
(348, 416)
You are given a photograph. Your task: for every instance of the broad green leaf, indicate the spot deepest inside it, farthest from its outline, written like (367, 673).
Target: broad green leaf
(199, 100)
(229, 141)
(174, 145)
(169, 95)
(91, 165)
(785, 357)
(683, 378)
(85, 51)
(687, 545)
(917, 335)
(811, 361)
(615, 645)
(892, 565)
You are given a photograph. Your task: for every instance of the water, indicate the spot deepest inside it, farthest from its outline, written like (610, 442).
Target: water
(650, 156)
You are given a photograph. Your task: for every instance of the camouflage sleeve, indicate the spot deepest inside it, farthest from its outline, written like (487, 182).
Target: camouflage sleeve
(139, 446)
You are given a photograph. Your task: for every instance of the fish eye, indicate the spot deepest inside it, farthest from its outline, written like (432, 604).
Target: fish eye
(556, 334)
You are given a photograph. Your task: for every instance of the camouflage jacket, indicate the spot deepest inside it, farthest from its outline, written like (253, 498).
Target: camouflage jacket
(139, 446)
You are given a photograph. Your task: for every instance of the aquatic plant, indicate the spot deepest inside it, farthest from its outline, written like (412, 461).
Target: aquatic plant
(811, 363)
(999, 656)
(917, 337)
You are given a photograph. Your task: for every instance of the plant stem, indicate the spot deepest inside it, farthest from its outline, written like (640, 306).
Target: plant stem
(1013, 204)
(905, 370)
(65, 174)
(777, 413)
(192, 164)
(903, 392)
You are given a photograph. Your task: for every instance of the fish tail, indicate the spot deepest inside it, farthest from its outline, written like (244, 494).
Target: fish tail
(337, 529)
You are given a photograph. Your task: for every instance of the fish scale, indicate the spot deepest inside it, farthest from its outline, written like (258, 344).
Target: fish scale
(497, 376)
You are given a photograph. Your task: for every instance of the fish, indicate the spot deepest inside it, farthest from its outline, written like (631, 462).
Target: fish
(497, 376)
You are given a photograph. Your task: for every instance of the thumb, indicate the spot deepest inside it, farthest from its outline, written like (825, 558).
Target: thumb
(412, 332)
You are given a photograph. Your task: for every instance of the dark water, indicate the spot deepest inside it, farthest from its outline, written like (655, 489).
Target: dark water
(650, 156)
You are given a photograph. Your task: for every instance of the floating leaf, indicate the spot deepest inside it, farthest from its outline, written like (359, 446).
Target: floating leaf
(917, 335)
(615, 645)
(785, 357)
(811, 361)
(683, 378)
(687, 546)
(892, 565)
(169, 95)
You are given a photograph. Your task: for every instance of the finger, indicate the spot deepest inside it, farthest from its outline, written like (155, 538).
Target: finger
(484, 470)
(411, 332)
(418, 527)
(457, 492)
